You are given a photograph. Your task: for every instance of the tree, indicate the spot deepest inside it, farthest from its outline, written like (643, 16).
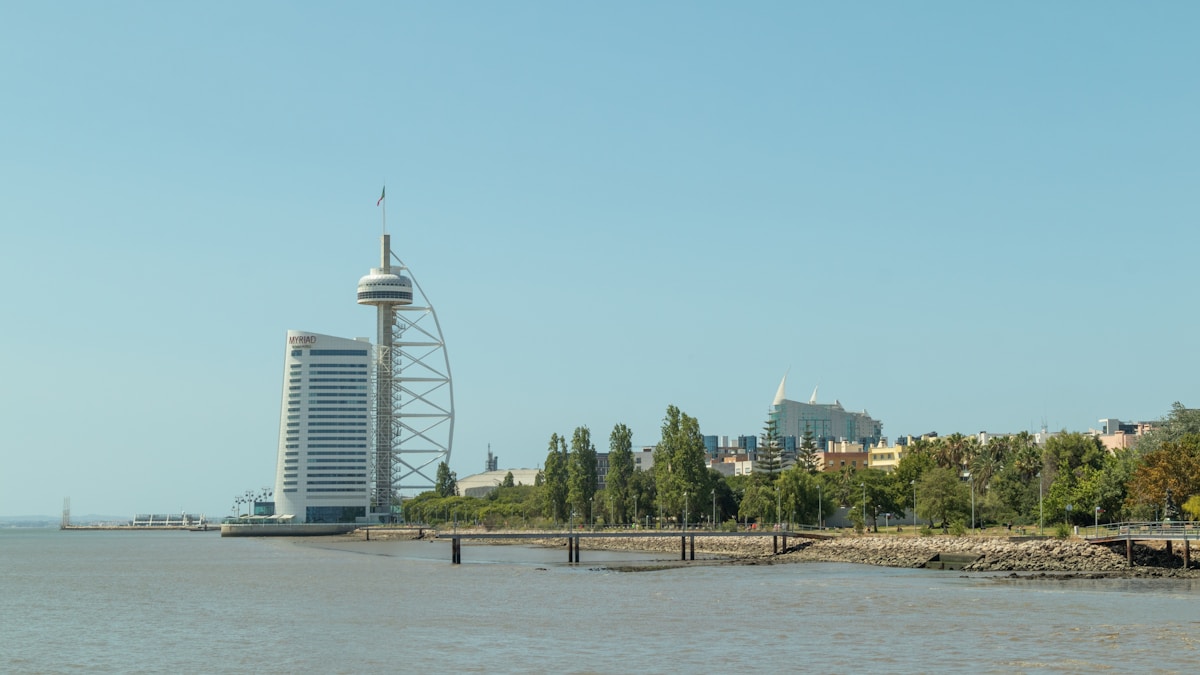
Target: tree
(758, 502)
(581, 473)
(620, 471)
(680, 472)
(1175, 466)
(988, 462)
(800, 494)
(955, 451)
(1068, 460)
(555, 478)
(1192, 507)
(767, 459)
(642, 493)
(446, 484)
(807, 452)
(508, 480)
(1178, 423)
(881, 493)
(942, 496)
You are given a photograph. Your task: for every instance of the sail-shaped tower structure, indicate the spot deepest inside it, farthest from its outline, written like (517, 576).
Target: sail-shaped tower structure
(413, 393)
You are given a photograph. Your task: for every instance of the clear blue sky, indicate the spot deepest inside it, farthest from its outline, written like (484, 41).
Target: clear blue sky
(959, 216)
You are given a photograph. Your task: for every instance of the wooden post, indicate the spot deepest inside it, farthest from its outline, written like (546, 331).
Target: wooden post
(785, 543)
(1129, 550)
(368, 531)
(693, 551)
(775, 544)
(683, 548)
(577, 538)
(455, 551)
(1187, 553)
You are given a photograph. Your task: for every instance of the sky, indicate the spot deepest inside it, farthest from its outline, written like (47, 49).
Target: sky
(957, 216)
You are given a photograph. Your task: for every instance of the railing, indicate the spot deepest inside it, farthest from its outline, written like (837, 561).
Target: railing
(1169, 529)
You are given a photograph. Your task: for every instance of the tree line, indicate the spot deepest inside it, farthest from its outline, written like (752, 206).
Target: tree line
(1070, 479)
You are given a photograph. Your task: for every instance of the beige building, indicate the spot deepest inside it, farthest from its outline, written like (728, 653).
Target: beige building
(885, 457)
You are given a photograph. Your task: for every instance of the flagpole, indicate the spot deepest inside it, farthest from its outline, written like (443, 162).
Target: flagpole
(383, 199)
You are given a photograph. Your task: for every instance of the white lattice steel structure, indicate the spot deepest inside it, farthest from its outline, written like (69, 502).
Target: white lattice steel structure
(413, 391)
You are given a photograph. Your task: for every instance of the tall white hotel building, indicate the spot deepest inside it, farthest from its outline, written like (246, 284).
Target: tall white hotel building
(323, 473)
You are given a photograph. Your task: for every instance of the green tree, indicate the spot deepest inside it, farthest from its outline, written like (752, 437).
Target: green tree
(581, 473)
(508, 480)
(758, 502)
(642, 495)
(620, 471)
(680, 473)
(954, 451)
(989, 461)
(446, 484)
(1069, 462)
(942, 496)
(801, 491)
(1178, 423)
(767, 459)
(881, 493)
(807, 452)
(554, 476)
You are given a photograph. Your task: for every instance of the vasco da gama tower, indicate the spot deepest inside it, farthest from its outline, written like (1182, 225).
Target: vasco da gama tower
(362, 423)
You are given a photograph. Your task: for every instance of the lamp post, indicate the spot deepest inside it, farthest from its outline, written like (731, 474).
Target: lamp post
(685, 513)
(1097, 511)
(592, 510)
(714, 500)
(913, 483)
(864, 505)
(820, 507)
(1039, 503)
(971, 480)
(778, 505)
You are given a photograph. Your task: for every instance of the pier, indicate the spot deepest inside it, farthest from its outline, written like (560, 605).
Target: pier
(687, 539)
(1131, 532)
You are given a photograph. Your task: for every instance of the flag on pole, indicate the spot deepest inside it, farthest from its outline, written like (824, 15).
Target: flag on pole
(381, 195)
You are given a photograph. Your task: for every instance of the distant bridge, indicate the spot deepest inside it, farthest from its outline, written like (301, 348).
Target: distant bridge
(687, 539)
(1129, 532)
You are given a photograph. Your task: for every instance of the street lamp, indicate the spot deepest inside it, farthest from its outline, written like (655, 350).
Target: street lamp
(714, 500)
(913, 483)
(685, 513)
(820, 506)
(1039, 503)
(971, 480)
(778, 506)
(592, 510)
(864, 505)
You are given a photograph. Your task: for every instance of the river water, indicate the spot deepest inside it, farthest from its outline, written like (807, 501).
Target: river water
(181, 602)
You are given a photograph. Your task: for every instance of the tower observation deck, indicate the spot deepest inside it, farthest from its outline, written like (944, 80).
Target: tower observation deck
(413, 406)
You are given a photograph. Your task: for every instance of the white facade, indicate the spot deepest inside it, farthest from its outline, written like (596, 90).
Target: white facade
(323, 468)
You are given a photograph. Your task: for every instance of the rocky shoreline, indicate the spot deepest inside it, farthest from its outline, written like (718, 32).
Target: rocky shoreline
(1040, 556)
